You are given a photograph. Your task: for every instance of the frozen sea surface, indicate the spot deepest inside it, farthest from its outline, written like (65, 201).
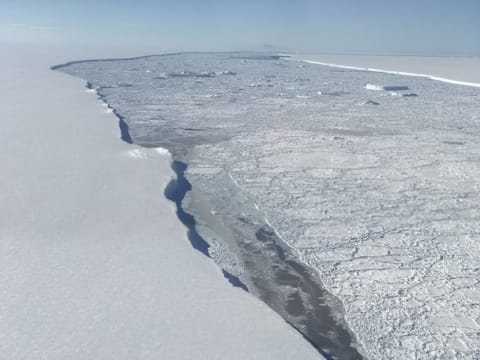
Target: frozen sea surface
(377, 191)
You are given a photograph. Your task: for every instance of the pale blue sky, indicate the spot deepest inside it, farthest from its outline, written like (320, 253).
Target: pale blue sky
(433, 27)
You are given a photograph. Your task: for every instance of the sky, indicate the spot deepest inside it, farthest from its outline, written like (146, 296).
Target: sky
(425, 27)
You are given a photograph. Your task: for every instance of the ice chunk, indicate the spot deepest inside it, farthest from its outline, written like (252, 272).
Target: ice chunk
(369, 86)
(370, 102)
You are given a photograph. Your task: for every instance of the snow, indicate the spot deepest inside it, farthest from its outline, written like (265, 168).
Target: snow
(453, 70)
(93, 261)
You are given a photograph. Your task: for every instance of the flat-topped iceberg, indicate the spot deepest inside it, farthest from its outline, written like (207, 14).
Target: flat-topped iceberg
(94, 263)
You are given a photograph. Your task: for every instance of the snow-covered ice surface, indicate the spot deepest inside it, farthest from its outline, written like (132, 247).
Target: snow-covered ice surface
(376, 190)
(94, 263)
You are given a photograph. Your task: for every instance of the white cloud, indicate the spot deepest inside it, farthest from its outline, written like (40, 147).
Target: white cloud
(32, 27)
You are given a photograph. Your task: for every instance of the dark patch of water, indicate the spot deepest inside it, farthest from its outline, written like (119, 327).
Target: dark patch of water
(295, 292)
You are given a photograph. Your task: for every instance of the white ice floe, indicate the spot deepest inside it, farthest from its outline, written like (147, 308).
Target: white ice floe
(163, 151)
(373, 87)
(385, 87)
(138, 154)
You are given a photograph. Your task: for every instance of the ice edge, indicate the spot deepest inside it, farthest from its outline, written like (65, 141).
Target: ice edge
(393, 72)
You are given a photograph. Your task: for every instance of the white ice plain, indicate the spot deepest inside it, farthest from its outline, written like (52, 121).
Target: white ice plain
(93, 261)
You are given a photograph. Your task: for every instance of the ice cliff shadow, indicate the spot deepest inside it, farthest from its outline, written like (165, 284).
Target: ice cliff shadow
(175, 192)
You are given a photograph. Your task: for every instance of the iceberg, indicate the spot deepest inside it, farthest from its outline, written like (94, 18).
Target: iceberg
(94, 262)
(385, 87)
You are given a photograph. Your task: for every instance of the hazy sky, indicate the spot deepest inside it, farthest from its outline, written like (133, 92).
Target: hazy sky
(435, 27)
